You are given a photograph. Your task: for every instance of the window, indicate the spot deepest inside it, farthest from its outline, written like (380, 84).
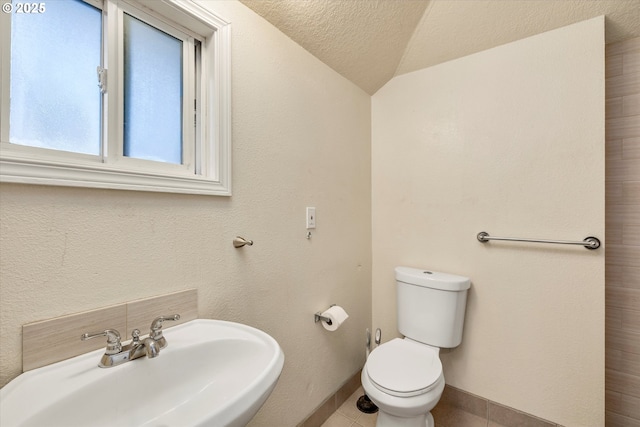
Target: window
(114, 94)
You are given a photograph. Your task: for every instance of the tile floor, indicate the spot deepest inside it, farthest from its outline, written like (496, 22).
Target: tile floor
(348, 414)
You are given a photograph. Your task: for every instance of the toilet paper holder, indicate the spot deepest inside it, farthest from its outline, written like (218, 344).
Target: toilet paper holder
(318, 317)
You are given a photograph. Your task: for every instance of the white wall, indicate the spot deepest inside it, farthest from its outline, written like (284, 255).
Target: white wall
(508, 141)
(301, 137)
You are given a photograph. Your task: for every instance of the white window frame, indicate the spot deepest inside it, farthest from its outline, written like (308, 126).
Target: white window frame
(211, 175)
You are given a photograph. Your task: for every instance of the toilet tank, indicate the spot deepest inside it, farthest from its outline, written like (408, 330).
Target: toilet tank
(431, 306)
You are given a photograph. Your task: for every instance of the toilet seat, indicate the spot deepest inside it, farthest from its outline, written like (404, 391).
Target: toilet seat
(404, 368)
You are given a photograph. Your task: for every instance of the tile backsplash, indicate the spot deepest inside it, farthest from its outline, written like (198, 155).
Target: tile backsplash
(52, 340)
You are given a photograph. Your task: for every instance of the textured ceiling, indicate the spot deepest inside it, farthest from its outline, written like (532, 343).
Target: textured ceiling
(370, 41)
(361, 39)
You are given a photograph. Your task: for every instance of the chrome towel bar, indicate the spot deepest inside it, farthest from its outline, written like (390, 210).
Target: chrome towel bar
(588, 242)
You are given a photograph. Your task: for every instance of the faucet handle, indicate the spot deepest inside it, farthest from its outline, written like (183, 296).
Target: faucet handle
(156, 325)
(156, 329)
(114, 346)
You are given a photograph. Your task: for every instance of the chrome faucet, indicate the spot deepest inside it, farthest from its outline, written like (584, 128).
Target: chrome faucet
(116, 354)
(147, 347)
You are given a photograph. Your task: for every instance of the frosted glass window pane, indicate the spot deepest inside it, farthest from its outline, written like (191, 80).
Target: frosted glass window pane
(152, 93)
(55, 101)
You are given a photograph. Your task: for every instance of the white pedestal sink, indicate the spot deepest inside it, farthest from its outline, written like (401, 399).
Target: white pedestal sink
(213, 373)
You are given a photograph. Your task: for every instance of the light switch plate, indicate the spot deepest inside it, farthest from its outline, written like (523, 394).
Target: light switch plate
(311, 218)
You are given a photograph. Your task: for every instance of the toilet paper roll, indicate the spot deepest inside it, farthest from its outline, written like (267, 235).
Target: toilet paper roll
(337, 316)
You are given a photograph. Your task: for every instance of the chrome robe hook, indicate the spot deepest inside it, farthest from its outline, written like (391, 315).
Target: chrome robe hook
(239, 242)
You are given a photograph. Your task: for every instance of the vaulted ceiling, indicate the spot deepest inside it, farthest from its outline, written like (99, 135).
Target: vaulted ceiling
(371, 41)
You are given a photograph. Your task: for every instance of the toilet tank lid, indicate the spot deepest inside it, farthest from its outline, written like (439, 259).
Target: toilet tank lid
(432, 279)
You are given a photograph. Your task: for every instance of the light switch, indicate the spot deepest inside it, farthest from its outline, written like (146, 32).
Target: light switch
(311, 218)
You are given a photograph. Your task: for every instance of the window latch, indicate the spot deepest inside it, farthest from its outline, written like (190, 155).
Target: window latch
(102, 79)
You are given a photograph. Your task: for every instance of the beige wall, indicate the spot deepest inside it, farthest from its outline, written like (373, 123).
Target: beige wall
(508, 141)
(623, 234)
(301, 137)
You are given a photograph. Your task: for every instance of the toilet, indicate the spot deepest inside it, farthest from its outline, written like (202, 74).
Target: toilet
(403, 377)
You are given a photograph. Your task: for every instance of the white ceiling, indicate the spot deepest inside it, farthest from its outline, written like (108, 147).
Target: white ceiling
(371, 41)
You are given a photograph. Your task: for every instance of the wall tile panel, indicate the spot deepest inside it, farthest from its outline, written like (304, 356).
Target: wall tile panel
(622, 381)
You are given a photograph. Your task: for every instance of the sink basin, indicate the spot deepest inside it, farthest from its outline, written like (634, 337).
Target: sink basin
(213, 373)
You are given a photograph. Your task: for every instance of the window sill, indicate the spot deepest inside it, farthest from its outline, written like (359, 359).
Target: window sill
(98, 176)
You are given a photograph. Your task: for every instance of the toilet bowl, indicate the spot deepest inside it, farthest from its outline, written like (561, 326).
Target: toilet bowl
(404, 379)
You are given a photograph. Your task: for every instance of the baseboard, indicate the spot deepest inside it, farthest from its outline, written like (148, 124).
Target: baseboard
(454, 400)
(450, 410)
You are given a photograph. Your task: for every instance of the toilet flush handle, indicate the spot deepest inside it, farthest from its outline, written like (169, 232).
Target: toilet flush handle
(378, 336)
